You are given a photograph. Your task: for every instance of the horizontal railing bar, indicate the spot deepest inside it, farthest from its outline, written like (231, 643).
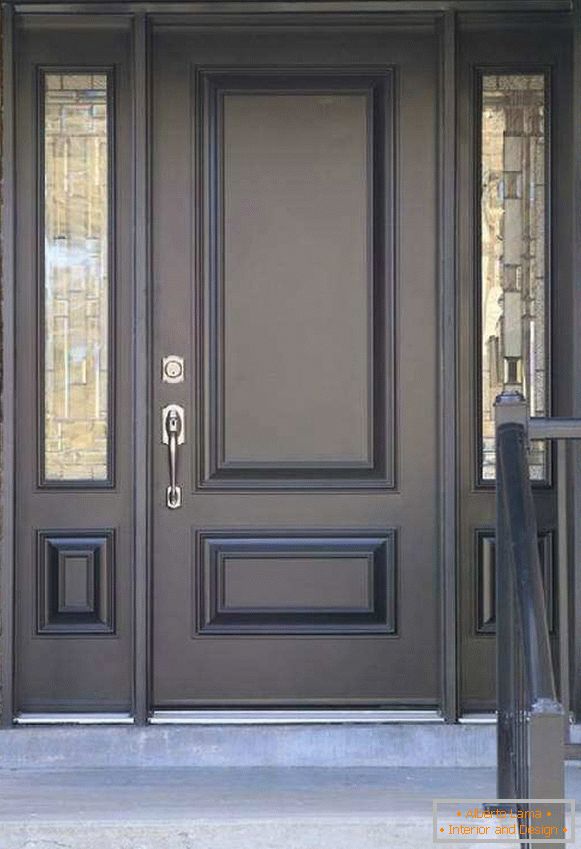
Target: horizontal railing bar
(573, 751)
(540, 428)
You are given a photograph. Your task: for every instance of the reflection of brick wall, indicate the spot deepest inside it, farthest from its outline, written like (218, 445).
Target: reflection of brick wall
(513, 249)
(76, 276)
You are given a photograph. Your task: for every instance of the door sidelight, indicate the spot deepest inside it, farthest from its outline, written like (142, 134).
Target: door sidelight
(173, 433)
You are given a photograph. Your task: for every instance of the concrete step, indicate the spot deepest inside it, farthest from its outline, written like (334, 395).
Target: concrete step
(317, 745)
(235, 808)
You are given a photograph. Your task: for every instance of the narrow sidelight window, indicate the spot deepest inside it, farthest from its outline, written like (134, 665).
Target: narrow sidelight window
(75, 285)
(513, 253)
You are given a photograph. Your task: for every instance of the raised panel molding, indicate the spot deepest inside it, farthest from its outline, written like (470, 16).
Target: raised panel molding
(362, 454)
(75, 584)
(283, 584)
(485, 545)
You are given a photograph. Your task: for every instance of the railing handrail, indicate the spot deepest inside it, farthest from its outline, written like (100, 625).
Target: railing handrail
(554, 428)
(521, 540)
(531, 720)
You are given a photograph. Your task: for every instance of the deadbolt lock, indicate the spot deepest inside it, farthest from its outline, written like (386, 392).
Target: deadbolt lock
(172, 369)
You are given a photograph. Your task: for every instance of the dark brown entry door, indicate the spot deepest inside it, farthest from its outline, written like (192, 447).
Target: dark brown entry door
(73, 369)
(294, 271)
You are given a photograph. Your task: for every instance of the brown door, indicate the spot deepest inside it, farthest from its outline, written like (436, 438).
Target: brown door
(292, 222)
(74, 435)
(294, 271)
(516, 301)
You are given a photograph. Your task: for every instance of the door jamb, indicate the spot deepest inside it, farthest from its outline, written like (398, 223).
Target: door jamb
(575, 455)
(141, 369)
(8, 354)
(448, 371)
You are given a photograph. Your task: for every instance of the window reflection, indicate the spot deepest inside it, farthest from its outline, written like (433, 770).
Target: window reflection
(513, 262)
(76, 277)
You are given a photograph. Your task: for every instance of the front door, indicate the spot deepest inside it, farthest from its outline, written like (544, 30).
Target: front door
(239, 361)
(294, 293)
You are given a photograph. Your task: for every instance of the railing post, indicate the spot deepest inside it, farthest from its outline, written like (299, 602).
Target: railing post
(563, 580)
(530, 718)
(510, 407)
(546, 772)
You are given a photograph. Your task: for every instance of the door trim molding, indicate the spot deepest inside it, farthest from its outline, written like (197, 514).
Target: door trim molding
(309, 6)
(8, 383)
(575, 453)
(448, 367)
(141, 369)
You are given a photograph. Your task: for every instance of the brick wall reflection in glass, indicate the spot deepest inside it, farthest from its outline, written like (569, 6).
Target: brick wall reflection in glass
(76, 277)
(513, 261)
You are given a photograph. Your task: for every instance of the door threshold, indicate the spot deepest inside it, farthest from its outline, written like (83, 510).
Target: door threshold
(239, 717)
(478, 718)
(74, 719)
(291, 717)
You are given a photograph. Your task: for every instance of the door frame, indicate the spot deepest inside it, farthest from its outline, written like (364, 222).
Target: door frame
(143, 16)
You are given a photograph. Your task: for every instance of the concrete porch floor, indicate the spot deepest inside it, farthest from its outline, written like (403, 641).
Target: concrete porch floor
(236, 808)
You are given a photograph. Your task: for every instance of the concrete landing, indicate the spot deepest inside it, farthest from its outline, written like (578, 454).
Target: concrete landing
(235, 808)
(317, 745)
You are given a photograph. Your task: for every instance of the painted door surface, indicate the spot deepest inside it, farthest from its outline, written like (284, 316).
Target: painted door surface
(238, 231)
(514, 178)
(294, 271)
(74, 313)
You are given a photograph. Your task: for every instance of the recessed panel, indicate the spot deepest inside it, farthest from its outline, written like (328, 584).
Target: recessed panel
(298, 368)
(278, 585)
(486, 580)
(296, 288)
(75, 589)
(270, 583)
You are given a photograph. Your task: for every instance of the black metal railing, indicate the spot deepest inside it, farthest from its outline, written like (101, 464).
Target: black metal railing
(531, 720)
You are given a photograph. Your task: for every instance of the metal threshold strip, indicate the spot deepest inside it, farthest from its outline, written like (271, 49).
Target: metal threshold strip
(74, 719)
(291, 717)
(240, 717)
(478, 719)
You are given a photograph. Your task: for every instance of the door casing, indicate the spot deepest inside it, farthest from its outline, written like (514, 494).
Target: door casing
(141, 23)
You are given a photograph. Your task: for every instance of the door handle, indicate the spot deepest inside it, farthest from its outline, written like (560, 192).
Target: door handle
(173, 433)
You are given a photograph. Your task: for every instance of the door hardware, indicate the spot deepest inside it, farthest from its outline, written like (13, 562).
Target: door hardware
(172, 369)
(173, 433)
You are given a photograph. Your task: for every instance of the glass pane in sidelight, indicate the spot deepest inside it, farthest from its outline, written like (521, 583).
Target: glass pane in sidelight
(513, 253)
(75, 212)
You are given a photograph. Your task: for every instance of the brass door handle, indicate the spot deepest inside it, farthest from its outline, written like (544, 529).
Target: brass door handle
(173, 433)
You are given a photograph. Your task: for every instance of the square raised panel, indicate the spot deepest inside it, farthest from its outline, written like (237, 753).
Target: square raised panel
(287, 584)
(75, 583)
(297, 369)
